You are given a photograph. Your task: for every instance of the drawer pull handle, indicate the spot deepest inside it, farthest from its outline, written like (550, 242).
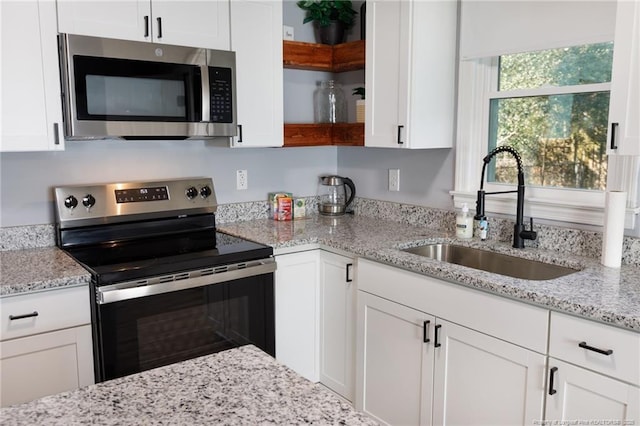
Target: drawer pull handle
(552, 374)
(584, 345)
(17, 317)
(348, 277)
(425, 331)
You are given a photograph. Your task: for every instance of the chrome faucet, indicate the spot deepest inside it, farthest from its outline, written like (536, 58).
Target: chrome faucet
(519, 232)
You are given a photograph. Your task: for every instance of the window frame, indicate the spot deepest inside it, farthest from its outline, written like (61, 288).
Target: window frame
(478, 80)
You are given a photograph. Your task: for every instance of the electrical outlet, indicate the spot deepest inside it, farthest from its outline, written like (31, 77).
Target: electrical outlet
(242, 179)
(394, 179)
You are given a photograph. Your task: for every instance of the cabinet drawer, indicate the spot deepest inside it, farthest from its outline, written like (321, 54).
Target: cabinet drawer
(621, 347)
(56, 309)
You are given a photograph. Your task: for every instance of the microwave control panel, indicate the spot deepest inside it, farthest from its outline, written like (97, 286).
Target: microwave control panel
(220, 81)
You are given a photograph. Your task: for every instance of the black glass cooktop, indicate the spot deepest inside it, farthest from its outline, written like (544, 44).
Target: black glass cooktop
(119, 261)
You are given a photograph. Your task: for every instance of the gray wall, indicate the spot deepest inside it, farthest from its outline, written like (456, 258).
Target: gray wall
(426, 176)
(26, 179)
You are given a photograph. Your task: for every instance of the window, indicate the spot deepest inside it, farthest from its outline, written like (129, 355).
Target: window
(552, 107)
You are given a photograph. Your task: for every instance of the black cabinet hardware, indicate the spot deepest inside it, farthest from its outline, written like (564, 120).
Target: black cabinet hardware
(146, 26)
(425, 331)
(584, 345)
(436, 343)
(400, 131)
(614, 127)
(349, 266)
(159, 27)
(56, 135)
(239, 133)
(552, 374)
(23, 316)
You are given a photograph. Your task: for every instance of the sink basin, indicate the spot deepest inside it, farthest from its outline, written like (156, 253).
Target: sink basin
(491, 262)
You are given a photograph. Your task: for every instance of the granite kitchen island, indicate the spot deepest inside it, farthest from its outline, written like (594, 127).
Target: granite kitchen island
(241, 386)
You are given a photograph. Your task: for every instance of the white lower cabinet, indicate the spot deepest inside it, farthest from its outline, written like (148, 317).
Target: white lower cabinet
(45, 364)
(337, 323)
(481, 380)
(45, 344)
(315, 317)
(297, 312)
(594, 372)
(416, 368)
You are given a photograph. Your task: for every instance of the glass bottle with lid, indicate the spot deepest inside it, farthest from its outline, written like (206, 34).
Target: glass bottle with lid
(329, 103)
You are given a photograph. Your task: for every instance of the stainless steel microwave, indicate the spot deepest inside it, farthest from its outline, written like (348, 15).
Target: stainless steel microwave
(137, 90)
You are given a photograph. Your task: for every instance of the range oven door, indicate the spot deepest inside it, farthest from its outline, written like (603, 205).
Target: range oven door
(142, 333)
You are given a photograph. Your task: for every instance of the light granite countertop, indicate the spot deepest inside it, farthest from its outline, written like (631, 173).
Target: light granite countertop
(36, 269)
(609, 295)
(241, 386)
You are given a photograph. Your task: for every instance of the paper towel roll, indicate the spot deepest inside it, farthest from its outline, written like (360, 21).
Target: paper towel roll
(614, 212)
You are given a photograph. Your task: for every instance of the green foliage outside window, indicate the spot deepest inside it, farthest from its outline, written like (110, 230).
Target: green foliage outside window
(561, 137)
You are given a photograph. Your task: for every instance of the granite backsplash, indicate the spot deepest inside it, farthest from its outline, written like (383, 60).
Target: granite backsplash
(562, 239)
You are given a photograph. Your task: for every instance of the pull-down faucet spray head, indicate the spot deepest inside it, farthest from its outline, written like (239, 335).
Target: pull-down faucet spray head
(519, 233)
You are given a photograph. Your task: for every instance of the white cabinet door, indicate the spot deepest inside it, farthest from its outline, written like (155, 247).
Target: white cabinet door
(410, 73)
(179, 22)
(394, 366)
(194, 23)
(296, 293)
(256, 37)
(45, 364)
(127, 19)
(30, 84)
(337, 323)
(482, 380)
(624, 108)
(578, 394)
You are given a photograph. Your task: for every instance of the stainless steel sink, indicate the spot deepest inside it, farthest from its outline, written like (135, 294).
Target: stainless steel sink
(492, 262)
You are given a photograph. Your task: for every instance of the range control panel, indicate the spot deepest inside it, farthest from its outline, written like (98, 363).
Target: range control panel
(118, 202)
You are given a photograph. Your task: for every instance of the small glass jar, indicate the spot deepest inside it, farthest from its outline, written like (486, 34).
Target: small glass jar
(330, 105)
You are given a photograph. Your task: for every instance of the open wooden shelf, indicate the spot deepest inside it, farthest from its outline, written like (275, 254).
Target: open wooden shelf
(323, 57)
(324, 134)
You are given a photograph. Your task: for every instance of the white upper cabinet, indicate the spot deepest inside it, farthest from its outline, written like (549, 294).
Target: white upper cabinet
(410, 73)
(624, 110)
(178, 22)
(256, 37)
(30, 87)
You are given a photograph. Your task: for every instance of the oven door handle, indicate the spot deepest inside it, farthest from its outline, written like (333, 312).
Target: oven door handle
(181, 281)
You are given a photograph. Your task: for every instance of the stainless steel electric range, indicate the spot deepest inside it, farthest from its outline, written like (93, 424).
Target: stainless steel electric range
(165, 285)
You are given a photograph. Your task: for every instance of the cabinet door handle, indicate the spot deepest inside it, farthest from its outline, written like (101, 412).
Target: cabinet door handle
(348, 269)
(552, 375)
(239, 133)
(425, 331)
(146, 26)
(584, 345)
(614, 127)
(159, 27)
(436, 343)
(56, 134)
(23, 316)
(399, 133)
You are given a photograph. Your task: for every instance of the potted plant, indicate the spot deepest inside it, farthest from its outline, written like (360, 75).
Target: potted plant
(331, 18)
(359, 91)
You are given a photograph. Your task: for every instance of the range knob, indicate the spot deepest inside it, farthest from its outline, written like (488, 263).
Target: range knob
(88, 201)
(71, 202)
(191, 193)
(205, 191)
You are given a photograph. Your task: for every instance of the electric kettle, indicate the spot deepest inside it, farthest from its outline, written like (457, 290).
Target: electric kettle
(332, 191)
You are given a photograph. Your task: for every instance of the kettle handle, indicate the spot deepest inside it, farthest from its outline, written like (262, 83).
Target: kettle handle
(352, 188)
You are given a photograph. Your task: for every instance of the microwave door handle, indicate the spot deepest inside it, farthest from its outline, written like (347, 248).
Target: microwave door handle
(206, 94)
